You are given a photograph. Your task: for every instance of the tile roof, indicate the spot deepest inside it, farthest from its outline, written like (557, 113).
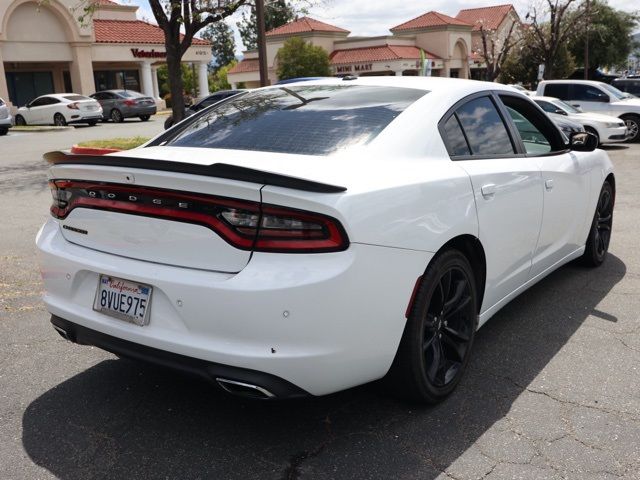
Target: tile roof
(131, 31)
(377, 54)
(490, 17)
(245, 66)
(430, 19)
(305, 24)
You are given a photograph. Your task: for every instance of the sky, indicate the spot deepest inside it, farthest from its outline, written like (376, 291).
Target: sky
(375, 17)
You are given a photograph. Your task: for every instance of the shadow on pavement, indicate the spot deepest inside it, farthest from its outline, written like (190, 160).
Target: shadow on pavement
(120, 419)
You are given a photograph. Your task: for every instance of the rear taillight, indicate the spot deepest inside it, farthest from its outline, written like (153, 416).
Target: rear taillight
(1, 102)
(73, 106)
(244, 224)
(130, 103)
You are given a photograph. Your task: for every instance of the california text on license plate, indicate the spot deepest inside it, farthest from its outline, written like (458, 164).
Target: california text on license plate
(123, 299)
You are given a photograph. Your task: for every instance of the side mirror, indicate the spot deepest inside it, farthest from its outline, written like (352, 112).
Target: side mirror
(559, 111)
(583, 142)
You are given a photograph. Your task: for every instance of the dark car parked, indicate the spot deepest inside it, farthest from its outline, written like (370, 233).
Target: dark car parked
(628, 85)
(594, 74)
(120, 104)
(204, 103)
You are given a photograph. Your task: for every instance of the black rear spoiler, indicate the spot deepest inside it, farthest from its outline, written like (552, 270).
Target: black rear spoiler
(220, 170)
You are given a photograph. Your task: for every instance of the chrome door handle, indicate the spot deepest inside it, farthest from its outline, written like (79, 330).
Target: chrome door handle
(548, 184)
(488, 190)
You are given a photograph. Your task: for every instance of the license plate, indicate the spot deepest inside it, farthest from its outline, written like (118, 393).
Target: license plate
(123, 299)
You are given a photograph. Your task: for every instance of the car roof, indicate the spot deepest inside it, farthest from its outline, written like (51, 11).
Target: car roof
(439, 85)
(583, 82)
(542, 97)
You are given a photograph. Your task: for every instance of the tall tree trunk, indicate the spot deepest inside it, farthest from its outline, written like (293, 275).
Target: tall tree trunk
(176, 86)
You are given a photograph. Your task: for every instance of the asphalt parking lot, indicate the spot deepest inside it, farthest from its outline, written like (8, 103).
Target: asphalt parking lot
(552, 391)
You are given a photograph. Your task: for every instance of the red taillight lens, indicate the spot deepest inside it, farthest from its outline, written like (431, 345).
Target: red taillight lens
(130, 103)
(73, 106)
(244, 224)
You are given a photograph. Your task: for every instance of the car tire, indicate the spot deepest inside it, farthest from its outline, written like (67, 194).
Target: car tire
(168, 123)
(633, 125)
(116, 116)
(59, 120)
(144, 118)
(599, 237)
(20, 121)
(3, 131)
(92, 123)
(594, 132)
(439, 332)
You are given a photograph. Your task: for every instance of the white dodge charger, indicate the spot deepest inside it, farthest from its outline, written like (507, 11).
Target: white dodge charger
(307, 238)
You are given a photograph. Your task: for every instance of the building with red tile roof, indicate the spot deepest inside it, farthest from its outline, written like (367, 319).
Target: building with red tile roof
(305, 25)
(428, 20)
(45, 49)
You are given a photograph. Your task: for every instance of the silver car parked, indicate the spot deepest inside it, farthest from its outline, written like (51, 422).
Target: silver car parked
(5, 118)
(120, 104)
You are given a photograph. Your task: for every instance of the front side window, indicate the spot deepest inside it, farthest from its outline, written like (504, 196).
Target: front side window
(309, 120)
(587, 93)
(547, 106)
(485, 130)
(538, 134)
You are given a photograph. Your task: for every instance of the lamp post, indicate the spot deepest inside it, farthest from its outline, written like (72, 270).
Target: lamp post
(586, 46)
(262, 47)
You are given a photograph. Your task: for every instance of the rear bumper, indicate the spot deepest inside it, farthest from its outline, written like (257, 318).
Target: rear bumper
(138, 111)
(85, 117)
(275, 386)
(322, 322)
(6, 122)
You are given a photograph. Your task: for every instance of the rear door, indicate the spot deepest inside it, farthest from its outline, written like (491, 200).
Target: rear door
(507, 188)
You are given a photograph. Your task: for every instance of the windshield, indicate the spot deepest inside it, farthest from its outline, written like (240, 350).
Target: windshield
(617, 93)
(566, 107)
(310, 120)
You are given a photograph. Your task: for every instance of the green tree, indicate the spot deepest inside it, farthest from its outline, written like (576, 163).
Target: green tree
(223, 44)
(554, 24)
(218, 80)
(298, 58)
(276, 14)
(521, 65)
(610, 39)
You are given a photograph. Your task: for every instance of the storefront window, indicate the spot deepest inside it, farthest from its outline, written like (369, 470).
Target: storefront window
(25, 86)
(117, 79)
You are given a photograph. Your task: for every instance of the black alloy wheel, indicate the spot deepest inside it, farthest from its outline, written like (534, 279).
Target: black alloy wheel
(59, 120)
(600, 234)
(436, 343)
(144, 118)
(633, 127)
(20, 121)
(116, 116)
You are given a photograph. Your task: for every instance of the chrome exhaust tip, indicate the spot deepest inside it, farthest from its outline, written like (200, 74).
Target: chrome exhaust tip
(244, 389)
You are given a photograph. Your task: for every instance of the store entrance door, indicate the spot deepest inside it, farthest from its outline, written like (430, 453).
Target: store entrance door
(25, 86)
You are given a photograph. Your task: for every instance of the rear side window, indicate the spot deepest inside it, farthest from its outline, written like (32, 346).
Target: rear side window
(484, 128)
(558, 90)
(311, 120)
(454, 138)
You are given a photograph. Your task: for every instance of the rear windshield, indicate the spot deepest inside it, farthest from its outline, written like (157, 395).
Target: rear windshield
(76, 98)
(129, 94)
(311, 120)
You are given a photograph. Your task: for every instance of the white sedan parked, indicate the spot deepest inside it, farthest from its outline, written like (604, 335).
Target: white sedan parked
(606, 128)
(60, 109)
(307, 238)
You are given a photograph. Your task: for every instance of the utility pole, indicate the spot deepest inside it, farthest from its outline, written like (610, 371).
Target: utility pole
(262, 46)
(586, 46)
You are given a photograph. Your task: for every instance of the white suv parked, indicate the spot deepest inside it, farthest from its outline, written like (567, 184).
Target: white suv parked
(597, 97)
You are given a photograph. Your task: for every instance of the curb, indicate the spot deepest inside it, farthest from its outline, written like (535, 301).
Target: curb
(93, 150)
(39, 129)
